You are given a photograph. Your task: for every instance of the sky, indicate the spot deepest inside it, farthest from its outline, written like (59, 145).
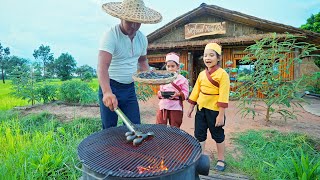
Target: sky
(76, 26)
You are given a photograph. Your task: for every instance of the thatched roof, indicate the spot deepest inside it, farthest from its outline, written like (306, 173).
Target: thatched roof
(229, 15)
(240, 40)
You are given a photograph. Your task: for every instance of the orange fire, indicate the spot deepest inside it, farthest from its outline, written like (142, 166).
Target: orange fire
(154, 168)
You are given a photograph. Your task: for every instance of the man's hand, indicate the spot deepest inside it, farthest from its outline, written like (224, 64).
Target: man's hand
(110, 100)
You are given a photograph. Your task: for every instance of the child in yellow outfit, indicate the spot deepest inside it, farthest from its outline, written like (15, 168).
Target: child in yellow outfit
(211, 94)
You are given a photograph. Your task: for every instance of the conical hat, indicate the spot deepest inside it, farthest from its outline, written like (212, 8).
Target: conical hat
(132, 10)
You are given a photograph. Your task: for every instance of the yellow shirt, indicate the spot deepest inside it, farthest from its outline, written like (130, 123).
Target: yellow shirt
(209, 96)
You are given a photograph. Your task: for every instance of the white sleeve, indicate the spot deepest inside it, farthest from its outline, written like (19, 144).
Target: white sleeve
(145, 46)
(108, 42)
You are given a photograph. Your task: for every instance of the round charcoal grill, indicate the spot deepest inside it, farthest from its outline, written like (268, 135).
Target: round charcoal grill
(107, 152)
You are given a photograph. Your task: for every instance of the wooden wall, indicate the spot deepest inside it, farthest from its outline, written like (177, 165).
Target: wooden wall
(234, 54)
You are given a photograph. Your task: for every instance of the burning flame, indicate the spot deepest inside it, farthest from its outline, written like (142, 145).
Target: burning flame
(154, 168)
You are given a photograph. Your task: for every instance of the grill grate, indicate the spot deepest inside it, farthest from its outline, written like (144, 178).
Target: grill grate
(107, 151)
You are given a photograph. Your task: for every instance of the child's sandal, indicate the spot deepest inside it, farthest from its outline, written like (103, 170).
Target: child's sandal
(220, 168)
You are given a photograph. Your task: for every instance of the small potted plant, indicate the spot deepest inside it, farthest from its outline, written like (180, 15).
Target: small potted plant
(229, 63)
(234, 70)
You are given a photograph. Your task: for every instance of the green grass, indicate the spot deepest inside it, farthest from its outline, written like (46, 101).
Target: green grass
(7, 101)
(41, 147)
(276, 155)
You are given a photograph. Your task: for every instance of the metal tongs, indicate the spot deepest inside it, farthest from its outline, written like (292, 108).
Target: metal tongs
(134, 136)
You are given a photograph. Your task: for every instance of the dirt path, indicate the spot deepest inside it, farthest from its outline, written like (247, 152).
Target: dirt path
(306, 122)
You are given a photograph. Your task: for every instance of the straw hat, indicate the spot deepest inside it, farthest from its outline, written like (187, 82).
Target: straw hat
(132, 10)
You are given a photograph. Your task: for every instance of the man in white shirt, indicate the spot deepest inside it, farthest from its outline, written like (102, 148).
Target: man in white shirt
(122, 52)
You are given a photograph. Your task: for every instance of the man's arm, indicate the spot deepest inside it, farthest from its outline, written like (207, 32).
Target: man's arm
(104, 61)
(143, 63)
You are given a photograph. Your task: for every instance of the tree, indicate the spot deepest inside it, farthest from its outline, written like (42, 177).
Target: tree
(15, 61)
(44, 55)
(4, 53)
(85, 72)
(37, 73)
(313, 23)
(65, 66)
(24, 84)
(269, 57)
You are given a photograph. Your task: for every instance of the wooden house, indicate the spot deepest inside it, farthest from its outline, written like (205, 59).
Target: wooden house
(188, 34)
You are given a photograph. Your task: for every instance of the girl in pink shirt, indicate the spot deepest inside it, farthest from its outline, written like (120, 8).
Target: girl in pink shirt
(171, 108)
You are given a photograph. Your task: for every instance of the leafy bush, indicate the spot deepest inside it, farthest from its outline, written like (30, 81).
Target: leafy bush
(77, 92)
(313, 82)
(47, 92)
(87, 76)
(144, 92)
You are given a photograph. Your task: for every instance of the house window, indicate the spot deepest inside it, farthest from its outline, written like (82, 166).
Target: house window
(244, 70)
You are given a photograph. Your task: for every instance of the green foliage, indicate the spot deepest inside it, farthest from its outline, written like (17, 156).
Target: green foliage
(41, 147)
(15, 62)
(24, 85)
(270, 57)
(44, 55)
(313, 23)
(87, 77)
(312, 82)
(305, 168)
(183, 72)
(317, 61)
(275, 155)
(77, 92)
(85, 72)
(37, 71)
(47, 92)
(4, 53)
(65, 66)
(143, 91)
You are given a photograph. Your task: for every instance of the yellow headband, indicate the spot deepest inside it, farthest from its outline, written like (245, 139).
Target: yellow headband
(214, 46)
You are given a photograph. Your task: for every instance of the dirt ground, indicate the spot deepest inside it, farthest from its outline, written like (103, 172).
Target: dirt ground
(306, 122)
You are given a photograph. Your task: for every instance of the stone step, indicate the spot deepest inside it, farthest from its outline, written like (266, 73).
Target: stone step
(223, 176)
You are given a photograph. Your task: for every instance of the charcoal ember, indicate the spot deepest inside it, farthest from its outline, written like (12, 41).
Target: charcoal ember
(154, 75)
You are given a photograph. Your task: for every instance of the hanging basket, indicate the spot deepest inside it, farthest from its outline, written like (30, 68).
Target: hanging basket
(155, 77)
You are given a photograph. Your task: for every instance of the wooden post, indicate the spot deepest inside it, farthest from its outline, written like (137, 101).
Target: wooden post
(190, 68)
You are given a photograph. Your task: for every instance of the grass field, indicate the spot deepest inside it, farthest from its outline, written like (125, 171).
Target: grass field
(8, 101)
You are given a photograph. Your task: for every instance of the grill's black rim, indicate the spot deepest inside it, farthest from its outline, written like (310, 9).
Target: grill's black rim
(145, 128)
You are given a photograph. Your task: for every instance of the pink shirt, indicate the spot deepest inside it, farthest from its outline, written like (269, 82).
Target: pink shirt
(168, 104)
